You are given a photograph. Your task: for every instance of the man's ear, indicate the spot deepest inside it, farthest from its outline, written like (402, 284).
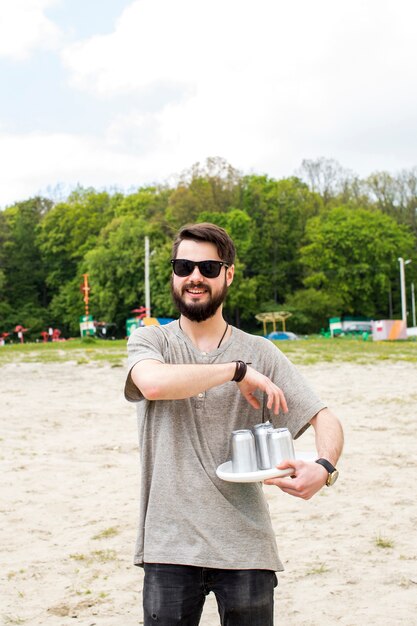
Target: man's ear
(230, 272)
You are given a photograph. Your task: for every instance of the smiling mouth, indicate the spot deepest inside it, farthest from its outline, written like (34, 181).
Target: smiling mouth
(195, 291)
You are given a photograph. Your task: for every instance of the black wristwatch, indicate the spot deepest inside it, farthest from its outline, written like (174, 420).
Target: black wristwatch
(333, 473)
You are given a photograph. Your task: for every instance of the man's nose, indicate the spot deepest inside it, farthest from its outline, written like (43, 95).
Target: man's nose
(196, 275)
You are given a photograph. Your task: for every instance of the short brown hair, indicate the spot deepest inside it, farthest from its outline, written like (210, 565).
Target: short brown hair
(207, 232)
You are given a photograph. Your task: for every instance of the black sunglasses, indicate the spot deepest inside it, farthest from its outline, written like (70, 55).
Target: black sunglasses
(209, 269)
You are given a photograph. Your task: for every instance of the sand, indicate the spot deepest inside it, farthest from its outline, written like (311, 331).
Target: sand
(69, 502)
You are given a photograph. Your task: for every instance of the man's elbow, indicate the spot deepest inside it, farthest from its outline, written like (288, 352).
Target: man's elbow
(147, 387)
(146, 376)
(151, 392)
(146, 383)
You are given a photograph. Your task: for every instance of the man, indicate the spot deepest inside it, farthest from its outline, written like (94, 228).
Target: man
(194, 386)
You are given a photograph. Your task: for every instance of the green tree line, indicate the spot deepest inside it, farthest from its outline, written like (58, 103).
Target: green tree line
(318, 244)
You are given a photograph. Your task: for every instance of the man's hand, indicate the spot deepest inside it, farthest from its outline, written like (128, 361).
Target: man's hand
(307, 479)
(255, 380)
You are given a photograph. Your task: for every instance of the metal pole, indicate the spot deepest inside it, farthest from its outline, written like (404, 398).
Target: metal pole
(413, 305)
(403, 295)
(403, 291)
(147, 287)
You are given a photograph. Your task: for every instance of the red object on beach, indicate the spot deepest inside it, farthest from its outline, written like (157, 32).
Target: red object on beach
(142, 312)
(20, 330)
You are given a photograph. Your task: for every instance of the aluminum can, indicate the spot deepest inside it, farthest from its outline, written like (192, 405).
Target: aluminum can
(243, 451)
(280, 446)
(261, 444)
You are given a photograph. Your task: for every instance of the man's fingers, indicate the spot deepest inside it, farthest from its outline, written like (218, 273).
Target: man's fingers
(253, 381)
(283, 401)
(252, 400)
(299, 484)
(286, 463)
(273, 401)
(286, 482)
(276, 400)
(283, 483)
(280, 401)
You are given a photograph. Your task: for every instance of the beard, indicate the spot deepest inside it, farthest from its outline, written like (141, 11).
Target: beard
(198, 312)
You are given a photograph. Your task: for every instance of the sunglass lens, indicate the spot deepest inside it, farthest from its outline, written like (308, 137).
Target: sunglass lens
(210, 269)
(182, 267)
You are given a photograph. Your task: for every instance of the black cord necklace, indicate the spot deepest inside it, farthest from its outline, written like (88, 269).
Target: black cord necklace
(223, 336)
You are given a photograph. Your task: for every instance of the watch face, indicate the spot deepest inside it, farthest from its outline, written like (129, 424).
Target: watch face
(332, 478)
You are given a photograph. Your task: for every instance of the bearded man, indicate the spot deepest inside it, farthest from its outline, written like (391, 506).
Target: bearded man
(195, 381)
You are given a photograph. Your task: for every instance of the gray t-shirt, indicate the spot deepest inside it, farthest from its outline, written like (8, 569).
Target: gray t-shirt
(188, 515)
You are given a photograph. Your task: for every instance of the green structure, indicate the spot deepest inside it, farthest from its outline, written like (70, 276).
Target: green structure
(87, 328)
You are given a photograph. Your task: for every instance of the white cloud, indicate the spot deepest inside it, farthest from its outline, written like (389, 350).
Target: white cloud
(263, 84)
(288, 45)
(260, 82)
(32, 163)
(24, 27)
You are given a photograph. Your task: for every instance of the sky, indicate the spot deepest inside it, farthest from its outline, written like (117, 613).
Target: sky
(126, 93)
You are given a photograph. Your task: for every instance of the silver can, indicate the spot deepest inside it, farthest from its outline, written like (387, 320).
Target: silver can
(243, 451)
(261, 443)
(280, 446)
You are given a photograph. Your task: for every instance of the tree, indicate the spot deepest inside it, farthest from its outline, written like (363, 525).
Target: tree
(4, 237)
(313, 249)
(395, 195)
(351, 255)
(69, 230)
(160, 279)
(148, 203)
(311, 309)
(407, 197)
(325, 177)
(116, 268)
(383, 190)
(279, 211)
(22, 272)
(67, 306)
(215, 188)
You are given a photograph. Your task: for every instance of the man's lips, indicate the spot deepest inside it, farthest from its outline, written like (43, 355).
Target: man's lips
(194, 290)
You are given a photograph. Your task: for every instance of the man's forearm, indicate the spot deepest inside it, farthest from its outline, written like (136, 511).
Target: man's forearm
(308, 478)
(329, 435)
(161, 381)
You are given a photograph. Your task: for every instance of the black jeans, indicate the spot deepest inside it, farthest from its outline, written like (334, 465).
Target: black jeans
(175, 595)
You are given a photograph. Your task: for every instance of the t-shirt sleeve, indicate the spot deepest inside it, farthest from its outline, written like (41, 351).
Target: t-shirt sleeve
(144, 344)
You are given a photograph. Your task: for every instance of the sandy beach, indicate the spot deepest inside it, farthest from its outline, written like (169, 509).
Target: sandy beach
(69, 502)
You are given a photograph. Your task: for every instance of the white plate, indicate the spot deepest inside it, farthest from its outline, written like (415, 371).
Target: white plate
(225, 471)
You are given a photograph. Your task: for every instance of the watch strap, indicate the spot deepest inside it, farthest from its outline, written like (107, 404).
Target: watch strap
(332, 471)
(327, 465)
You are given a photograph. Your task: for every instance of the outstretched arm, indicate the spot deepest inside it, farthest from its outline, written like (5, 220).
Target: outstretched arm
(162, 381)
(310, 477)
